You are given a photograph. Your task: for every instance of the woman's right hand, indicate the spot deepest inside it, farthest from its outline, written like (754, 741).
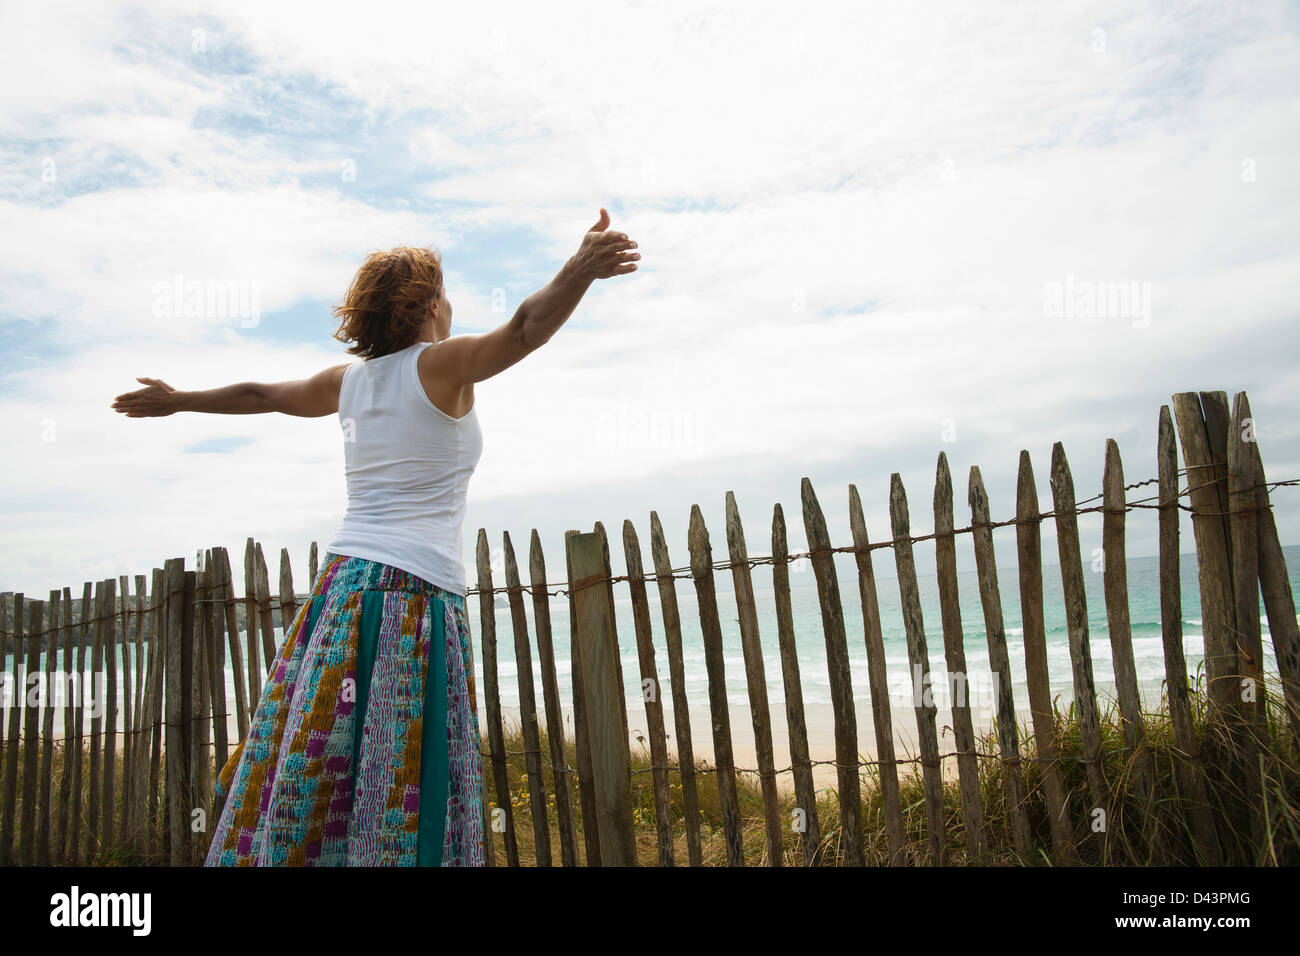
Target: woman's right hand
(604, 253)
(157, 398)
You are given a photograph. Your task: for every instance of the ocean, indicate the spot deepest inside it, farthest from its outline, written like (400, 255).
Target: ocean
(1144, 614)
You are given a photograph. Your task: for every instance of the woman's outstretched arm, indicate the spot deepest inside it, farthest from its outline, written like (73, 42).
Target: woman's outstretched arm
(308, 398)
(466, 359)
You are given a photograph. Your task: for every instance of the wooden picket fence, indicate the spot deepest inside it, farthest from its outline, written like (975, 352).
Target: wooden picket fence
(182, 623)
(173, 701)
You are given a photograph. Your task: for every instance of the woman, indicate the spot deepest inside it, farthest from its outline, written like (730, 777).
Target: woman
(364, 748)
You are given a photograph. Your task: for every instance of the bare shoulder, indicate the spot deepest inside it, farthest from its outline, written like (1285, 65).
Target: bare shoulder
(330, 381)
(326, 387)
(309, 397)
(437, 368)
(468, 358)
(443, 358)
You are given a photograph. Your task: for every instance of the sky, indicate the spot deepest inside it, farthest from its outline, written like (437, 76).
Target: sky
(869, 234)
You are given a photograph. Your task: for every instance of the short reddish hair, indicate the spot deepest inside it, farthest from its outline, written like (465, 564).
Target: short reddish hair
(387, 303)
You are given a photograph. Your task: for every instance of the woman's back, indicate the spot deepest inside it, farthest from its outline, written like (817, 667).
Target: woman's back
(408, 466)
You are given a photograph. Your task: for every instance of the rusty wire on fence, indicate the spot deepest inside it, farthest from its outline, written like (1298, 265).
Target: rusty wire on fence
(722, 565)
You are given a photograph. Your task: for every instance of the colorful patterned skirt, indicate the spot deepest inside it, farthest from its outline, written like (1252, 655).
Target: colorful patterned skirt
(340, 766)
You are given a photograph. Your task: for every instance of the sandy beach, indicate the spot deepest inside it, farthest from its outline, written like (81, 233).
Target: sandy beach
(819, 719)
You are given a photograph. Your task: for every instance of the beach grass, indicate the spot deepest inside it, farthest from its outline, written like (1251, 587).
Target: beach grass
(1162, 832)
(1163, 835)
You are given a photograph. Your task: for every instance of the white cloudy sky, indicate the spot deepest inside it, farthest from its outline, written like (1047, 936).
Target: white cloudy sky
(848, 214)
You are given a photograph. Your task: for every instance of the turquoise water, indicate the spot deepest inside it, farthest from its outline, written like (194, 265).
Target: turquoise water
(1144, 615)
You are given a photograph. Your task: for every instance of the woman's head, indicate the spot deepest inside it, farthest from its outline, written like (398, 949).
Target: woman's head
(386, 308)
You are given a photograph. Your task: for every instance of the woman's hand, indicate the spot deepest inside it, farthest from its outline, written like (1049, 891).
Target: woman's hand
(604, 254)
(155, 399)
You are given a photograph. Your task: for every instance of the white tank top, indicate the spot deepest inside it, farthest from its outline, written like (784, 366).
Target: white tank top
(408, 467)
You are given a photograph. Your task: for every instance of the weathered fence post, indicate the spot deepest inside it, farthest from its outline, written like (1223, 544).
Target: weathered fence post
(1030, 572)
(215, 649)
(1013, 781)
(723, 758)
(1275, 587)
(288, 600)
(1212, 559)
(250, 629)
(1243, 481)
(527, 707)
(96, 699)
(76, 854)
(1187, 760)
(72, 682)
(128, 707)
(919, 658)
(1202, 430)
(109, 805)
(9, 792)
(200, 795)
(651, 692)
(599, 529)
(878, 681)
(954, 653)
(243, 704)
(492, 690)
(1076, 621)
(800, 761)
(586, 789)
(31, 736)
(266, 619)
(1244, 551)
(551, 701)
(755, 678)
(841, 681)
(610, 761)
(1115, 583)
(173, 701)
(677, 675)
(133, 812)
(159, 630)
(44, 814)
(138, 746)
(184, 806)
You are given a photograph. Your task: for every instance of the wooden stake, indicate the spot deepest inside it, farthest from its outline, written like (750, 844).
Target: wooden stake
(551, 702)
(496, 732)
(707, 600)
(954, 653)
(919, 659)
(807, 822)
(677, 675)
(651, 693)
(878, 678)
(527, 708)
(755, 678)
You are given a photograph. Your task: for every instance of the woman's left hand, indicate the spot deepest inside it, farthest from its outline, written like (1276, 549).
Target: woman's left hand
(603, 253)
(157, 398)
